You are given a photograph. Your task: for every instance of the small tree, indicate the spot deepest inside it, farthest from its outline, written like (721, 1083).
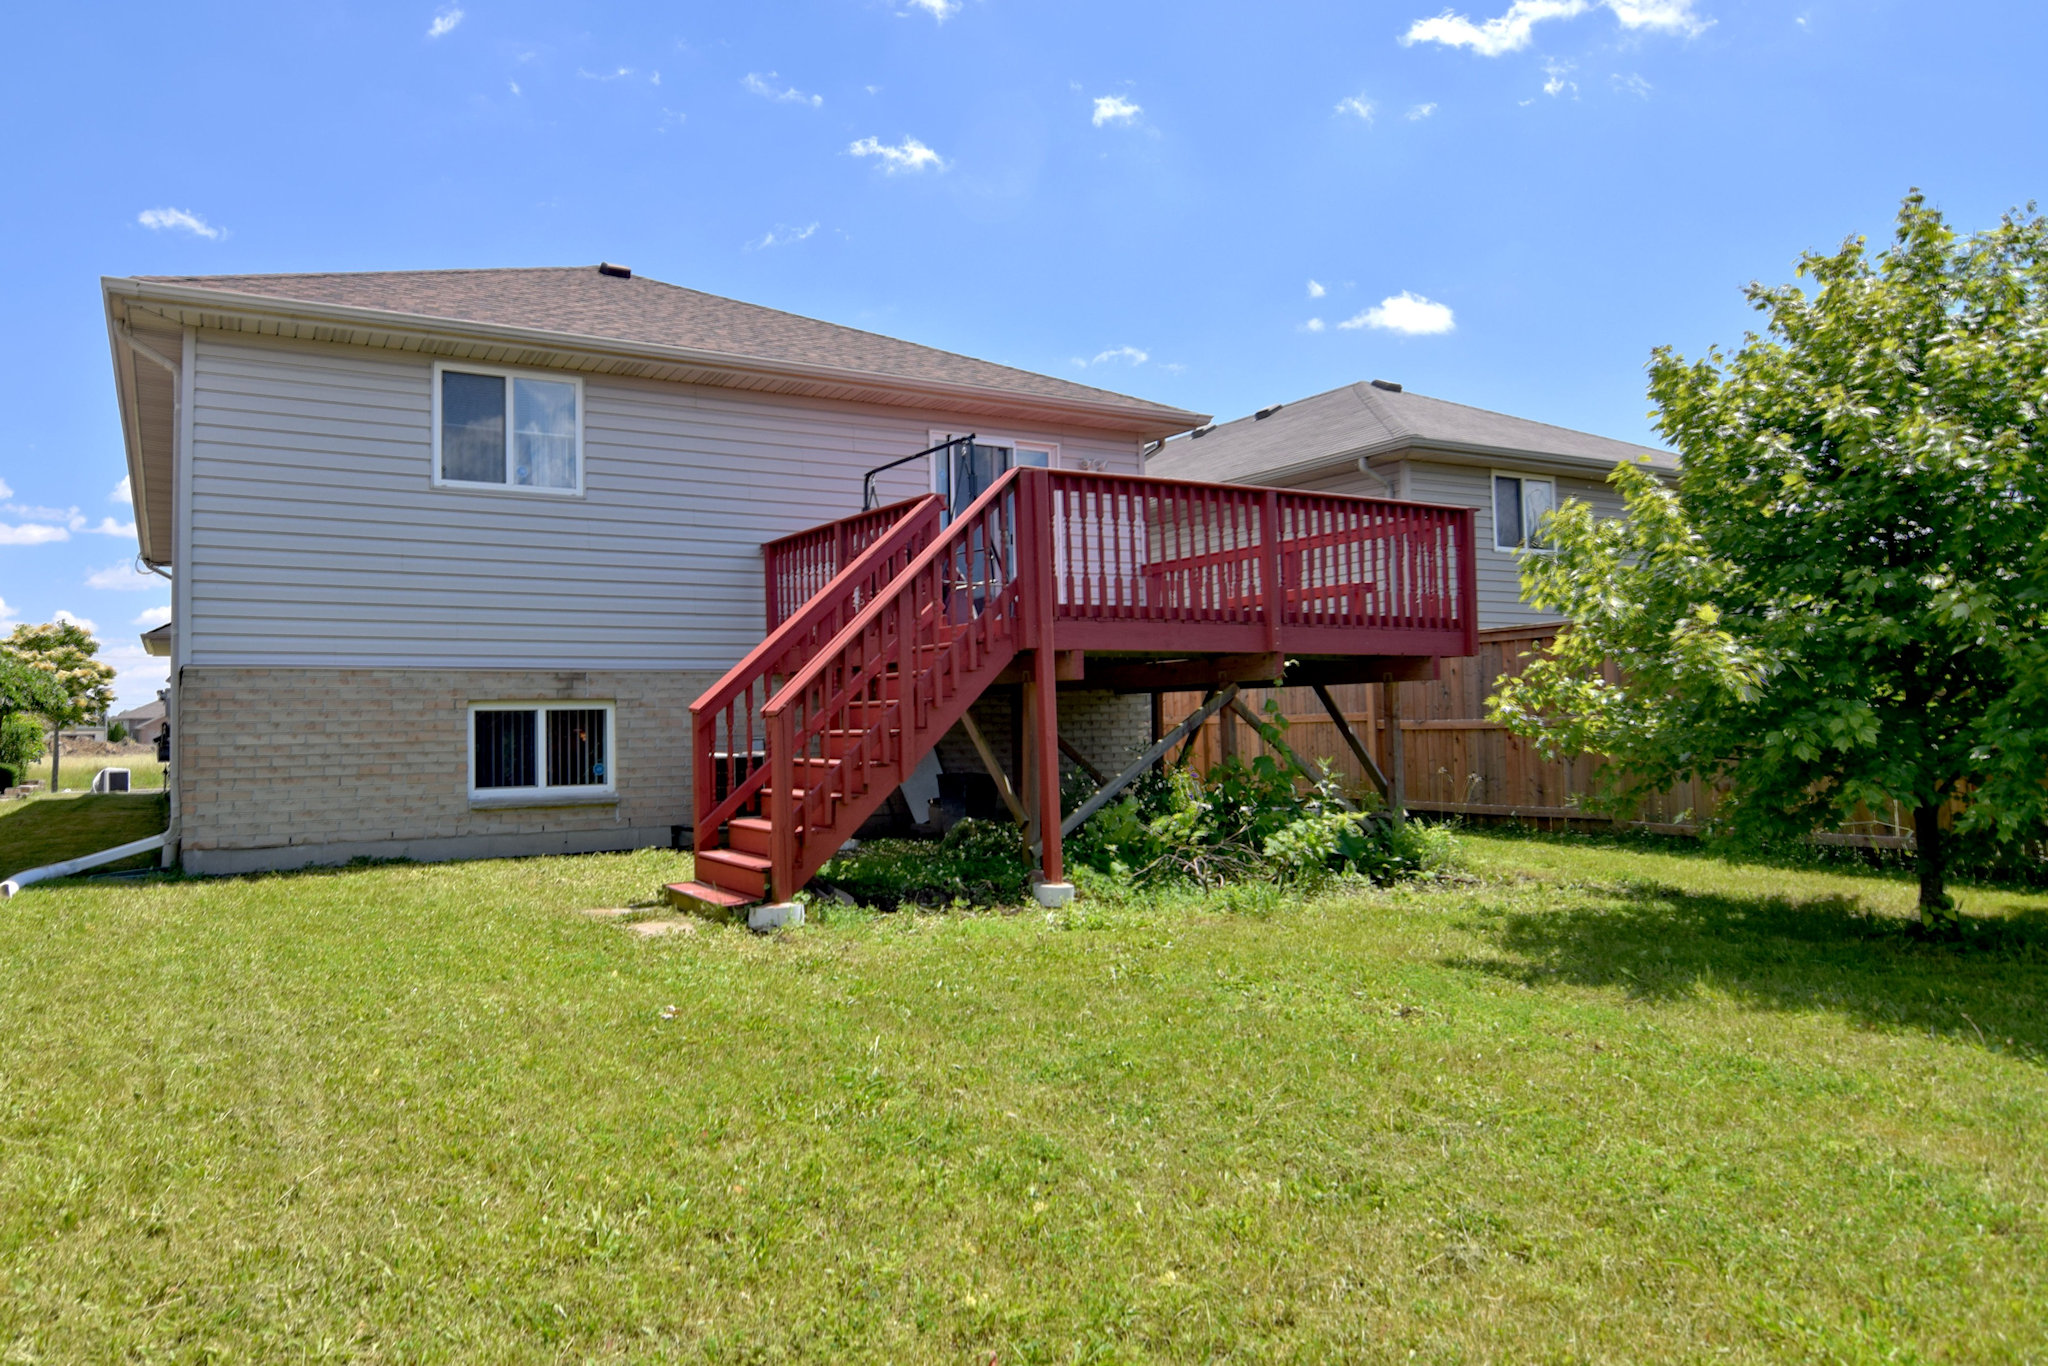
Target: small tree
(1843, 601)
(25, 694)
(63, 651)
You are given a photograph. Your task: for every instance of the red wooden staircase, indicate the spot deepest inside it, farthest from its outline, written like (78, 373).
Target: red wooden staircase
(884, 628)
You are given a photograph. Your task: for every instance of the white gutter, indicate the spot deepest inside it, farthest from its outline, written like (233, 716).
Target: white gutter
(80, 864)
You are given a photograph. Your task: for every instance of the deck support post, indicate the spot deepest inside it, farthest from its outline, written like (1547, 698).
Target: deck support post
(1358, 749)
(1042, 691)
(1226, 736)
(1397, 784)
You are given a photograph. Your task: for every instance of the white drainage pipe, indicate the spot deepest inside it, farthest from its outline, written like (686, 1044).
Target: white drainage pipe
(81, 863)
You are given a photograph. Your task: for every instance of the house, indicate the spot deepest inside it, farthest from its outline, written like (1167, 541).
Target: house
(144, 722)
(1377, 438)
(480, 563)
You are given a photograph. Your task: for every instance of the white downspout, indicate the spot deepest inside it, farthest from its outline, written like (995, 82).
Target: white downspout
(180, 559)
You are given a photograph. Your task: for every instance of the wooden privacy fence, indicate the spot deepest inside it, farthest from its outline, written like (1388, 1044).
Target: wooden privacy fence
(1455, 760)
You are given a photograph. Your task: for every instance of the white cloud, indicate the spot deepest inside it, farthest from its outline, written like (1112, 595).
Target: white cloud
(1418, 112)
(1312, 325)
(1115, 109)
(152, 616)
(1511, 31)
(1316, 290)
(909, 155)
(1356, 104)
(8, 614)
(1129, 354)
(1406, 313)
(515, 87)
(109, 527)
(616, 74)
(81, 623)
(762, 86)
(32, 533)
(123, 578)
(1633, 85)
(122, 493)
(780, 236)
(941, 10)
(7, 491)
(1674, 16)
(158, 220)
(444, 23)
(1558, 84)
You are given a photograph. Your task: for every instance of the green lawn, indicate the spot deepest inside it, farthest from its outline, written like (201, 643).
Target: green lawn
(1593, 1105)
(78, 770)
(43, 830)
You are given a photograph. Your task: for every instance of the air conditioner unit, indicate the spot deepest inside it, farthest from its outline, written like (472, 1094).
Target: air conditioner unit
(110, 780)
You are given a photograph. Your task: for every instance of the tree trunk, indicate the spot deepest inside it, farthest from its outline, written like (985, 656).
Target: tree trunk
(56, 754)
(1931, 858)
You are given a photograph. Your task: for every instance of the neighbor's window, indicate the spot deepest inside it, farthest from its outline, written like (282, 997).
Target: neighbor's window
(507, 429)
(1520, 504)
(540, 748)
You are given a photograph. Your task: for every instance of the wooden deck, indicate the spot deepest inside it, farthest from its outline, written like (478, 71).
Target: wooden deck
(884, 628)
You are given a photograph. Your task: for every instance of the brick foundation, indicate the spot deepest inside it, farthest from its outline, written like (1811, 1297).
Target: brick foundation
(285, 767)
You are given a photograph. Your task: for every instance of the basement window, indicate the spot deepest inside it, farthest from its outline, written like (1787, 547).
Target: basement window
(1520, 503)
(540, 751)
(507, 429)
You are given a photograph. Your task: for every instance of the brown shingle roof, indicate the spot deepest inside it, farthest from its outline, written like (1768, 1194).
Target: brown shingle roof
(581, 301)
(1364, 419)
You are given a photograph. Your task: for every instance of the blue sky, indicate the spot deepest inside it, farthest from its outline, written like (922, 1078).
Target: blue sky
(1505, 203)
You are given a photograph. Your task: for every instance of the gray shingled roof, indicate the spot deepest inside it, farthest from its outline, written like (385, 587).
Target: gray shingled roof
(581, 301)
(1361, 420)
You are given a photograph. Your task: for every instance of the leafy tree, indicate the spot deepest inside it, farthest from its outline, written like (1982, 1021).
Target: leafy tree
(25, 694)
(1841, 601)
(79, 685)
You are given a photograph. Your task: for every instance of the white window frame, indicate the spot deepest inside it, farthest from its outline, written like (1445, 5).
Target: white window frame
(544, 792)
(1493, 479)
(1015, 443)
(441, 367)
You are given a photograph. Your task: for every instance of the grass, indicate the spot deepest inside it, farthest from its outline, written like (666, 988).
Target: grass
(1591, 1105)
(49, 829)
(78, 770)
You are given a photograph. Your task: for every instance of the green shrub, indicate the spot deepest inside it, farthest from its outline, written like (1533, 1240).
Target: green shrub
(1249, 821)
(116, 733)
(978, 863)
(22, 740)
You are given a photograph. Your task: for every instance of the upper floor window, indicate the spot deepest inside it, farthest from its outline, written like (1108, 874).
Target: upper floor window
(1520, 503)
(507, 429)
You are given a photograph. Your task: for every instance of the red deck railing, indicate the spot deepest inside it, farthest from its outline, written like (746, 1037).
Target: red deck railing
(1138, 561)
(799, 565)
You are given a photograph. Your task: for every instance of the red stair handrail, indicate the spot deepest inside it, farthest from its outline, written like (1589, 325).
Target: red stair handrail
(799, 566)
(851, 722)
(733, 704)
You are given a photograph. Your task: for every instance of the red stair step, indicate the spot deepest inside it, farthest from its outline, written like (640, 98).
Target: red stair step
(746, 874)
(750, 835)
(705, 899)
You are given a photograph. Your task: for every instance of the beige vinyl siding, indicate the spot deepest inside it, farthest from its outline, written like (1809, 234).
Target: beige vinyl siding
(1500, 582)
(318, 538)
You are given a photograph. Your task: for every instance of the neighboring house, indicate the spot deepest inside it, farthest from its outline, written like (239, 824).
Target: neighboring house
(453, 551)
(144, 722)
(1376, 439)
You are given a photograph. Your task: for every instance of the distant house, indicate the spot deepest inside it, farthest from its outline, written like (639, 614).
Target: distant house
(143, 723)
(1377, 439)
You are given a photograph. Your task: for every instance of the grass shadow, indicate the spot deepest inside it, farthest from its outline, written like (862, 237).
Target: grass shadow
(1983, 983)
